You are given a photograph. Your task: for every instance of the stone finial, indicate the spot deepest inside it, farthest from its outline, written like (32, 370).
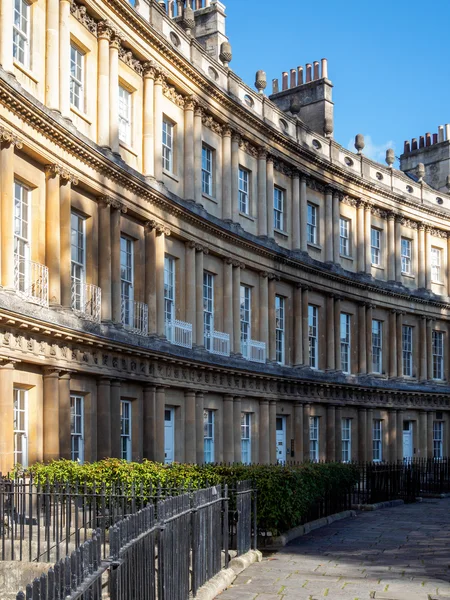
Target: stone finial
(328, 127)
(359, 142)
(261, 81)
(275, 86)
(188, 19)
(225, 53)
(294, 106)
(420, 172)
(390, 157)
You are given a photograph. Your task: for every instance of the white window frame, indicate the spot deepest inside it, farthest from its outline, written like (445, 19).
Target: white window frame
(375, 246)
(311, 223)
(377, 440)
(20, 407)
(77, 427)
(246, 438)
(22, 231)
(280, 328)
(313, 336)
(207, 170)
(437, 344)
(406, 256)
(167, 145)
(438, 439)
(77, 77)
(377, 346)
(208, 309)
(345, 340)
(125, 115)
(344, 236)
(278, 208)
(169, 293)
(407, 350)
(125, 429)
(22, 32)
(244, 191)
(314, 439)
(245, 316)
(78, 262)
(208, 435)
(346, 429)
(436, 264)
(127, 280)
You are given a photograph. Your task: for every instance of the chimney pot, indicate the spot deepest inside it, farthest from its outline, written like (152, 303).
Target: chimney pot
(406, 147)
(428, 139)
(285, 80)
(441, 133)
(316, 70)
(324, 68)
(421, 142)
(275, 87)
(447, 132)
(293, 83)
(435, 138)
(414, 144)
(300, 75)
(308, 72)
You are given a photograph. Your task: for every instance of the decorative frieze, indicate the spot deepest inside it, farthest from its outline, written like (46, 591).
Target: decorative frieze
(129, 59)
(209, 122)
(171, 93)
(79, 12)
(54, 169)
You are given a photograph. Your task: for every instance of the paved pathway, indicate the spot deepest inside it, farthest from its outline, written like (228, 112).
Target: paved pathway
(400, 553)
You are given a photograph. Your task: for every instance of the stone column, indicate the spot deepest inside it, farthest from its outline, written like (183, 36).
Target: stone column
(269, 196)
(393, 344)
(400, 417)
(398, 246)
(104, 415)
(369, 436)
(114, 93)
(431, 415)
(64, 416)
(338, 434)
(303, 215)
(367, 232)
(306, 432)
(369, 318)
(360, 231)
(104, 255)
(399, 344)
(272, 324)
(237, 429)
(428, 343)
(228, 430)
(190, 443)
(159, 268)
(422, 265)
(191, 287)
(65, 239)
(160, 429)
(328, 225)
(52, 70)
(228, 299)
(116, 390)
(264, 287)
(50, 413)
(305, 303)
(337, 330)
(330, 328)
(392, 424)
(199, 432)
(331, 437)
(104, 36)
(157, 120)
(116, 293)
(298, 326)
(6, 411)
(427, 258)
(237, 308)
(264, 450)
(64, 57)
(336, 228)
(7, 209)
(391, 246)
(295, 210)
(198, 115)
(149, 393)
(423, 346)
(199, 297)
(423, 450)
(273, 431)
(235, 139)
(362, 339)
(298, 432)
(148, 142)
(52, 233)
(262, 192)
(364, 440)
(227, 198)
(150, 276)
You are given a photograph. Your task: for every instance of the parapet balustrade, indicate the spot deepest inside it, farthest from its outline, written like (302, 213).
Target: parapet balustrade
(31, 280)
(253, 350)
(179, 333)
(86, 300)
(217, 342)
(134, 316)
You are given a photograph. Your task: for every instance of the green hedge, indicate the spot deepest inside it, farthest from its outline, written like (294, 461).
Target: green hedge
(286, 494)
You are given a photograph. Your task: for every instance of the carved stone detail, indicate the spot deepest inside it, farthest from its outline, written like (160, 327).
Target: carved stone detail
(81, 15)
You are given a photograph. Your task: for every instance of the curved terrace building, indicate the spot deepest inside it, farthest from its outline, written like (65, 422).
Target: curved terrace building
(192, 270)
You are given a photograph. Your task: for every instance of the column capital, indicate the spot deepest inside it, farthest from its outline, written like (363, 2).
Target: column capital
(158, 227)
(236, 137)
(264, 274)
(226, 131)
(329, 190)
(263, 152)
(105, 30)
(7, 137)
(150, 69)
(51, 372)
(56, 170)
(272, 402)
(190, 244)
(200, 248)
(116, 205)
(190, 102)
(274, 277)
(237, 264)
(104, 201)
(263, 401)
(6, 362)
(295, 173)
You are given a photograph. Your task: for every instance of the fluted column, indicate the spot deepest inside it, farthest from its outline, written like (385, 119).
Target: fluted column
(331, 433)
(236, 308)
(52, 70)
(272, 320)
(328, 225)
(228, 302)
(116, 300)
(305, 332)
(50, 413)
(103, 418)
(423, 347)
(422, 266)
(65, 447)
(190, 444)
(235, 139)
(149, 421)
(364, 440)
(393, 433)
(104, 255)
(369, 318)
(428, 342)
(367, 232)
(298, 326)
(264, 308)
(65, 239)
(273, 431)
(398, 246)
(303, 215)
(114, 92)
(191, 286)
(237, 429)
(228, 430)
(264, 451)
(199, 337)
(52, 234)
(360, 233)
(160, 430)
(116, 395)
(306, 433)
(262, 192)
(269, 196)
(399, 344)
(198, 115)
(199, 433)
(391, 262)
(226, 175)
(104, 36)
(148, 124)
(337, 330)
(336, 228)
(393, 344)
(7, 211)
(298, 432)
(160, 248)
(7, 415)
(157, 120)
(295, 210)
(362, 339)
(427, 258)
(150, 276)
(330, 329)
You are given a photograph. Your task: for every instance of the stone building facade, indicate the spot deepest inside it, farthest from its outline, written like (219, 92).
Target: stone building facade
(194, 271)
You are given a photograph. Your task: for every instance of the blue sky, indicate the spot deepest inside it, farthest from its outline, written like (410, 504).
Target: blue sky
(389, 61)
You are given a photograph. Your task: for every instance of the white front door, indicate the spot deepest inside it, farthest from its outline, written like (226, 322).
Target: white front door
(407, 439)
(169, 435)
(281, 440)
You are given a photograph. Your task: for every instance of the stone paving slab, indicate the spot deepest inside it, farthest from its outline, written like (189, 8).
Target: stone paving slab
(400, 553)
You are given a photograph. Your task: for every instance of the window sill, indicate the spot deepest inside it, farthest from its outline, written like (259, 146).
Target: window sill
(210, 198)
(80, 114)
(282, 233)
(171, 175)
(408, 275)
(128, 148)
(26, 71)
(246, 216)
(346, 257)
(437, 283)
(316, 246)
(379, 267)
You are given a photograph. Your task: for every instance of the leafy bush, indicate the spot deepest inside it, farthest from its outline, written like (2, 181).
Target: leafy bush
(287, 495)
